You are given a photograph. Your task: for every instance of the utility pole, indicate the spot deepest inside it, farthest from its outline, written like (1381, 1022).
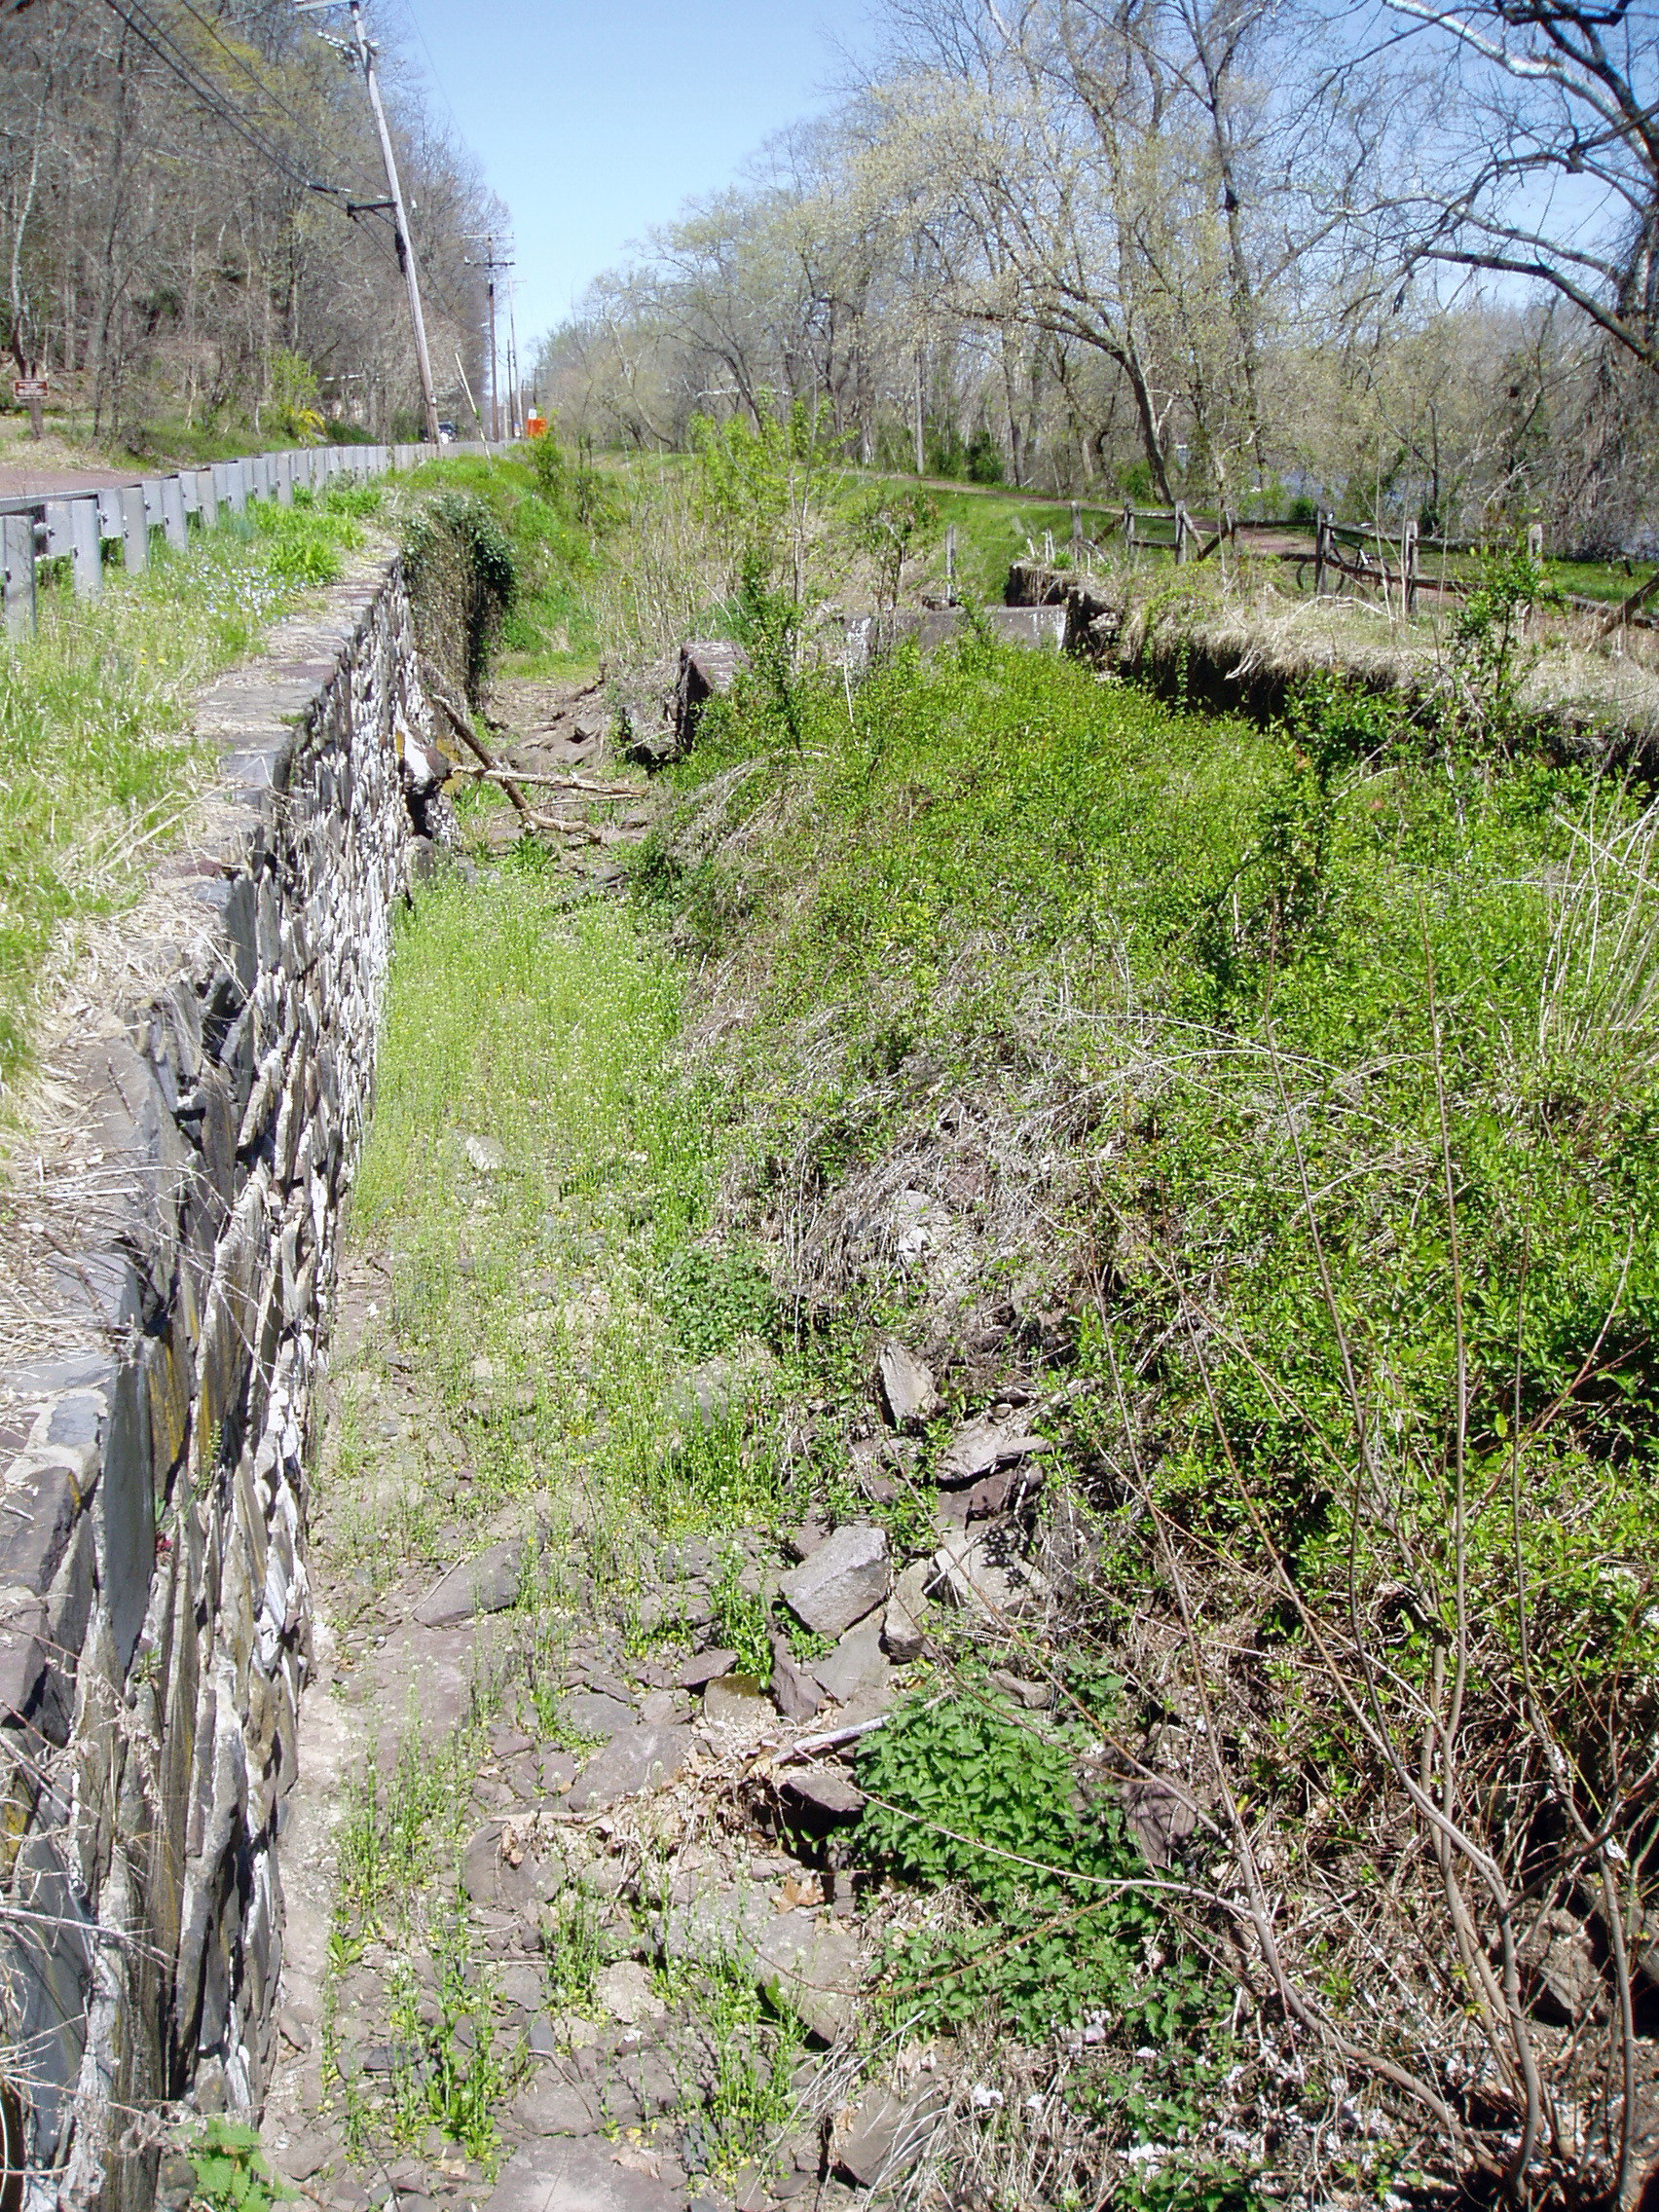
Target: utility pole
(490, 264)
(399, 220)
(515, 408)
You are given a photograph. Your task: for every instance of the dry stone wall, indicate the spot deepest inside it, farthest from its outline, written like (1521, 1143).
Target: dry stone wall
(154, 1616)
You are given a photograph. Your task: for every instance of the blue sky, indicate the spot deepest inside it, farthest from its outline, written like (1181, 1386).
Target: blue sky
(594, 119)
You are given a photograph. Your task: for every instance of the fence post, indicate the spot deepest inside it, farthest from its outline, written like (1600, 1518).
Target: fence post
(1408, 567)
(1128, 525)
(172, 513)
(950, 564)
(1180, 533)
(59, 544)
(135, 530)
(1077, 532)
(1321, 538)
(1534, 540)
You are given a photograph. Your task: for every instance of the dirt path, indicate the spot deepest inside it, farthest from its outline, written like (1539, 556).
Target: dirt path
(564, 1930)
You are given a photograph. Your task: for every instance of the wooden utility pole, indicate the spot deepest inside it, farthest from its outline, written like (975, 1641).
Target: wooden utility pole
(365, 56)
(405, 250)
(490, 264)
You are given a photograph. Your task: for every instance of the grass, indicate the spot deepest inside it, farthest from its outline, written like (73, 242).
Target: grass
(550, 1032)
(96, 762)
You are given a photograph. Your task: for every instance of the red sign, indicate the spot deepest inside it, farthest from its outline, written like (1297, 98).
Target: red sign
(28, 387)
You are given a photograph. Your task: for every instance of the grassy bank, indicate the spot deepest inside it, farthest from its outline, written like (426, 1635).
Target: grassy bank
(96, 762)
(1281, 1109)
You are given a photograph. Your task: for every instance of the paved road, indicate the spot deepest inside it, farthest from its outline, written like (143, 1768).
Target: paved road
(19, 480)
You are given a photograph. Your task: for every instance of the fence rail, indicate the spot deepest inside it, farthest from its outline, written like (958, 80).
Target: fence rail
(77, 527)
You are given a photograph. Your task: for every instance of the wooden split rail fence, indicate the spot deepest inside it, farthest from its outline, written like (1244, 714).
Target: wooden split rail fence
(1340, 552)
(78, 527)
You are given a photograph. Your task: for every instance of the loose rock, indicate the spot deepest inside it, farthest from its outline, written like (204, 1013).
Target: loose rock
(908, 1391)
(814, 1968)
(737, 1701)
(576, 2175)
(635, 1759)
(856, 1664)
(846, 1577)
(625, 1991)
(591, 1713)
(487, 1584)
(903, 1629)
(887, 2135)
(980, 1447)
(797, 1692)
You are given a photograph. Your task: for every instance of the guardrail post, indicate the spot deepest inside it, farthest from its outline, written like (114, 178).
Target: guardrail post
(108, 498)
(152, 490)
(86, 547)
(18, 550)
(54, 515)
(1534, 541)
(135, 530)
(236, 487)
(284, 479)
(172, 514)
(72, 530)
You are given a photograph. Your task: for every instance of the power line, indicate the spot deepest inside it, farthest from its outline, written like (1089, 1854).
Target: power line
(152, 34)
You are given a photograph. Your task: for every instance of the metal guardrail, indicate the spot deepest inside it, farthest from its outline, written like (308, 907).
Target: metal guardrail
(78, 526)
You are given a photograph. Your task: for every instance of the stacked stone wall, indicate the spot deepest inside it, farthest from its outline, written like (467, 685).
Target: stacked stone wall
(175, 1256)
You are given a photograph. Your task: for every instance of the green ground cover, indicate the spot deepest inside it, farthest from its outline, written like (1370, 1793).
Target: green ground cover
(1287, 1104)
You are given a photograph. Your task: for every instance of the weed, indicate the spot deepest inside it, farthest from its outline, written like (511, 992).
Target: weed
(231, 2172)
(449, 2073)
(575, 1945)
(962, 1795)
(752, 2049)
(713, 1299)
(744, 1620)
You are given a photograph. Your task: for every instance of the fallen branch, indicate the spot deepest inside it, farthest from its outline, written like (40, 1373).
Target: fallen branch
(550, 783)
(455, 713)
(490, 769)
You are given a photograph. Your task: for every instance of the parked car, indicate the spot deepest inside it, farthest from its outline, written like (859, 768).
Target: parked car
(447, 434)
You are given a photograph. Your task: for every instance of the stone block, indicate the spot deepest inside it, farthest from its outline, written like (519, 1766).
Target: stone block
(43, 1502)
(126, 1510)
